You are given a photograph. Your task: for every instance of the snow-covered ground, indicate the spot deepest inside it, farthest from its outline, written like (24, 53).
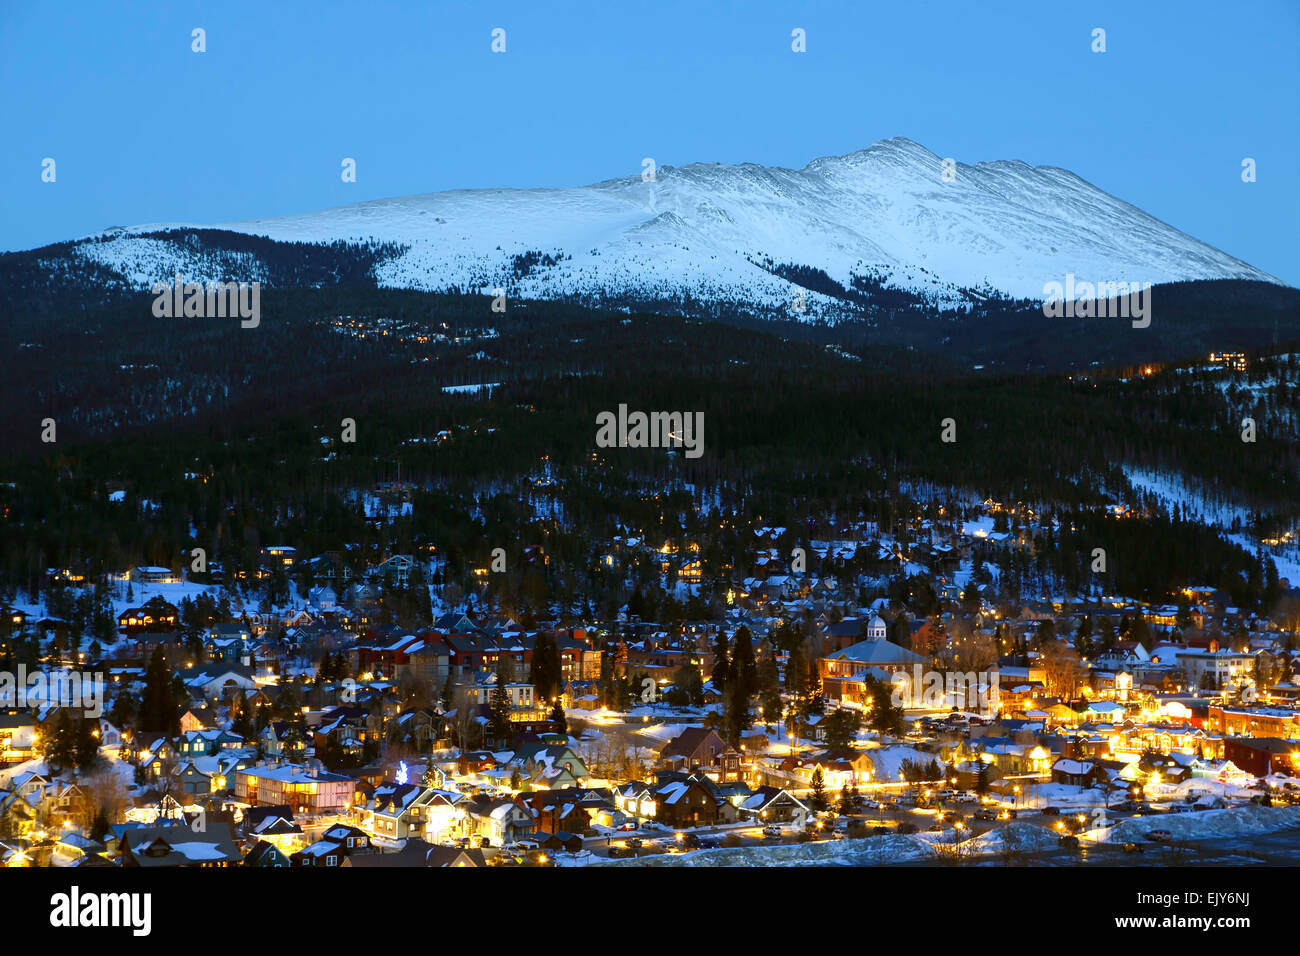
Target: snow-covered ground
(1249, 820)
(888, 761)
(1019, 837)
(891, 848)
(1219, 512)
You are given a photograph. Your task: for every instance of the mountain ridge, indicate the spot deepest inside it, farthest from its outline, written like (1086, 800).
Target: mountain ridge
(705, 230)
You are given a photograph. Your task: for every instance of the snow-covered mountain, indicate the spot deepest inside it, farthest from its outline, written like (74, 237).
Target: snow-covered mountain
(717, 232)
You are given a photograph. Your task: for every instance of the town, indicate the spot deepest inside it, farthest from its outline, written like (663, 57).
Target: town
(860, 696)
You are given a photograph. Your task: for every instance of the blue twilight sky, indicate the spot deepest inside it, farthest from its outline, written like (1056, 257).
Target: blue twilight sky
(144, 130)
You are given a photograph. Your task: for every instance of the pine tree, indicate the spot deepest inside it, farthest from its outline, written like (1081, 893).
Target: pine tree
(818, 801)
(721, 663)
(99, 827)
(769, 679)
(87, 744)
(499, 707)
(738, 718)
(743, 666)
(448, 691)
(558, 717)
(544, 674)
(158, 709)
(886, 716)
(845, 803)
(60, 744)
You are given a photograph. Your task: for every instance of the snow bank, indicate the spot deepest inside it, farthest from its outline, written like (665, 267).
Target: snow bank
(1205, 824)
(892, 848)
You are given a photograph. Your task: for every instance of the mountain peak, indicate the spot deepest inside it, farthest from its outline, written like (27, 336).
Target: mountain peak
(728, 232)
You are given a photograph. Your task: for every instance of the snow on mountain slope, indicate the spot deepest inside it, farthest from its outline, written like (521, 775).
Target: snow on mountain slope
(706, 229)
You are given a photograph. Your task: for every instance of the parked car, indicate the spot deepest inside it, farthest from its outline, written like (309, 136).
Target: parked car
(1051, 811)
(1159, 836)
(624, 827)
(986, 813)
(772, 830)
(907, 828)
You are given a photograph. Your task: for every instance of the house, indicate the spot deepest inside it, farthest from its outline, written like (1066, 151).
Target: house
(1216, 669)
(67, 804)
(193, 780)
(501, 821)
(275, 825)
(1077, 773)
(206, 743)
(693, 748)
(420, 854)
(17, 739)
(350, 839)
(1261, 756)
(686, 803)
(266, 854)
(636, 799)
(71, 849)
(155, 615)
(335, 845)
(775, 805)
(280, 554)
(1125, 655)
(179, 846)
(307, 791)
(549, 765)
(213, 682)
(153, 753)
(151, 574)
(1101, 712)
(396, 570)
(399, 811)
(228, 643)
(17, 813)
(568, 811)
(280, 738)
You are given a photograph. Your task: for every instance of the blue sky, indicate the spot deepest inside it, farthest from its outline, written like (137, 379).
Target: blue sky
(144, 130)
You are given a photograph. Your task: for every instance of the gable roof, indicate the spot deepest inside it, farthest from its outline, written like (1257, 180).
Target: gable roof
(688, 742)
